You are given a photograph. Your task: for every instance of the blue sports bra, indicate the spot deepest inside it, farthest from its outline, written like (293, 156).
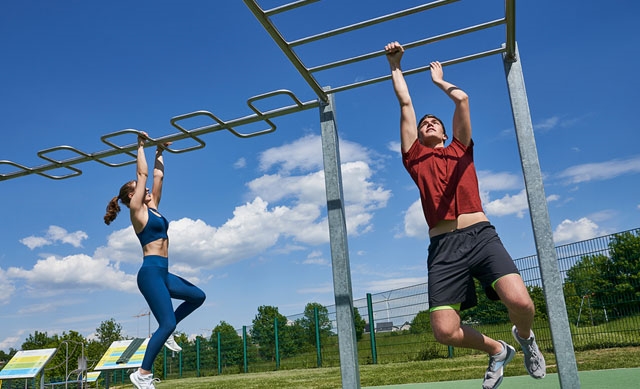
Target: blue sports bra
(156, 228)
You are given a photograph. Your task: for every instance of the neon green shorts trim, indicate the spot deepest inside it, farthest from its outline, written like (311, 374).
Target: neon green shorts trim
(493, 284)
(455, 307)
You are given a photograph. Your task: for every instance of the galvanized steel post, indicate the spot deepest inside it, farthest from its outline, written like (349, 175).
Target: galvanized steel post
(549, 272)
(339, 250)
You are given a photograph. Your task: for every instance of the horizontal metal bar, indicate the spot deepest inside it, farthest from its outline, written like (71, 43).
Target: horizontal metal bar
(284, 46)
(482, 26)
(128, 149)
(371, 22)
(416, 70)
(289, 7)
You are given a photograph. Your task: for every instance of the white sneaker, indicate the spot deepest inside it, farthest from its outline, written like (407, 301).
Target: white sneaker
(172, 345)
(141, 381)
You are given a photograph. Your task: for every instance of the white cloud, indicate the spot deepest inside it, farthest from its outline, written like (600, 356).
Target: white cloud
(415, 225)
(507, 205)
(305, 154)
(122, 246)
(12, 341)
(572, 231)
(55, 234)
(33, 242)
(547, 124)
(556, 122)
(394, 146)
(7, 289)
(316, 261)
(73, 272)
(600, 170)
(316, 258)
(489, 181)
(240, 163)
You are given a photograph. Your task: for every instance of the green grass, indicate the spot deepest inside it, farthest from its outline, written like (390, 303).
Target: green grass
(444, 369)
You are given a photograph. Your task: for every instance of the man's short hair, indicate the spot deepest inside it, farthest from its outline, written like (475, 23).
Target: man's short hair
(429, 115)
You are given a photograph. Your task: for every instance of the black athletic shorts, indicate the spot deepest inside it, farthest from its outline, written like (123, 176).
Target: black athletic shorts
(457, 257)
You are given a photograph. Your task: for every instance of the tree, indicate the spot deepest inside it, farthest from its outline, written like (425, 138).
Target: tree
(231, 352)
(69, 349)
(181, 338)
(5, 357)
(108, 332)
(421, 323)
(624, 273)
(584, 288)
(40, 340)
(263, 330)
(486, 311)
(308, 322)
(537, 295)
(359, 323)
(610, 284)
(585, 274)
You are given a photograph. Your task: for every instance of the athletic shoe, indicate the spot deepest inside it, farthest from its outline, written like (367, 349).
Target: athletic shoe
(141, 381)
(533, 359)
(497, 362)
(172, 345)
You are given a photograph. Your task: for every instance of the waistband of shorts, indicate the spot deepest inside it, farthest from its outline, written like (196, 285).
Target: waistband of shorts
(155, 260)
(478, 225)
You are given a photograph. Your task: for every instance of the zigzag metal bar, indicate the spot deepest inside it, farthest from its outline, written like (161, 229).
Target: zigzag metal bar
(183, 134)
(122, 150)
(24, 171)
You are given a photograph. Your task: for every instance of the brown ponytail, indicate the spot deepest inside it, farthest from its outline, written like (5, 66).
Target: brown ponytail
(112, 211)
(113, 208)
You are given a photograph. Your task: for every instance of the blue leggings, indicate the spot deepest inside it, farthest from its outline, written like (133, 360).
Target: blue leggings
(158, 287)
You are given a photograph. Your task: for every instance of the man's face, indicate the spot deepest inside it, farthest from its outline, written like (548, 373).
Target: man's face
(431, 131)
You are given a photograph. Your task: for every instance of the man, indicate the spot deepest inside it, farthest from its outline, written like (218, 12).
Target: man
(464, 245)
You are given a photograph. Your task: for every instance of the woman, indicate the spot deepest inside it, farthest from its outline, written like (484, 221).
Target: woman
(157, 285)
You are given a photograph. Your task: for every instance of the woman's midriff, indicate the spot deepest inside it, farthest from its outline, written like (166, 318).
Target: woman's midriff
(157, 247)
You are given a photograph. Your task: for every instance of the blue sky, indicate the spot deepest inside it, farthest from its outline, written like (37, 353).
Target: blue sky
(248, 216)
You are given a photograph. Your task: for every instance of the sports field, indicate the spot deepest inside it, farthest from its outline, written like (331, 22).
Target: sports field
(600, 379)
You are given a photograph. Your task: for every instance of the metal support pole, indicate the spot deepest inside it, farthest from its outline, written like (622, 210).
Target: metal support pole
(276, 336)
(347, 342)
(549, 271)
(316, 322)
(220, 354)
(372, 330)
(244, 349)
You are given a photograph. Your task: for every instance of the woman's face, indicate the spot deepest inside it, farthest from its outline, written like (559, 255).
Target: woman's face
(147, 192)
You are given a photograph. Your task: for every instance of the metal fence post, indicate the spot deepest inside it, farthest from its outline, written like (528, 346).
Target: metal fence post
(244, 348)
(372, 332)
(317, 333)
(198, 356)
(275, 334)
(219, 354)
